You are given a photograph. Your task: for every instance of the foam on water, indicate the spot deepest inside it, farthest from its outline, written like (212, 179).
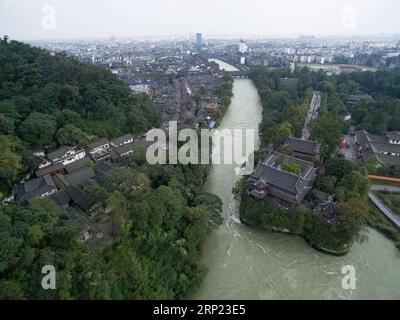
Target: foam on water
(245, 263)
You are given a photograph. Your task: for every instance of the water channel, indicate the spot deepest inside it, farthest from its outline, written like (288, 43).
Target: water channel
(244, 263)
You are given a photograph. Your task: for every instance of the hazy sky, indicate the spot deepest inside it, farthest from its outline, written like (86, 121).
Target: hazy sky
(52, 19)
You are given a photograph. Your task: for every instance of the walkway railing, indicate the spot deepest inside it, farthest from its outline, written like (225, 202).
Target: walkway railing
(385, 210)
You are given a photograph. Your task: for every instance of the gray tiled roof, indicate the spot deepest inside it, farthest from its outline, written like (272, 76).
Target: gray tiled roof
(36, 187)
(79, 198)
(78, 177)
(271, 174)
(374, 145)
(105, 166)
(76, 165)
(278, 178)
(97, 143)
(61, 198)
(388, 160)
(49, 169)
(278, 159)
(60, 152)
(125, 148)
(393, 135)
(385, 147)
(120, 140)
(304, 146)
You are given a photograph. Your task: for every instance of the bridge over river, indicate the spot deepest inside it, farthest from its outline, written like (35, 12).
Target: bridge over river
(235, 72)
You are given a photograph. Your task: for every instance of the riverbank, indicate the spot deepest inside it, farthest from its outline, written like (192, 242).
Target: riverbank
(299, 221)
(247, 263)
(289, 233)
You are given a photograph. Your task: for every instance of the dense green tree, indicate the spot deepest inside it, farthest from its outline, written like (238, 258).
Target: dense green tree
(326, 129)
(164, 215)
(118, 204)
(293, 168)
(128, 182)
(72, 136)
(279, 134)
(38, 129)
(68, 116)
(355, 185)
(11, 161)
(339, 167)
(34, 81)
(6, 125)
(328, 184)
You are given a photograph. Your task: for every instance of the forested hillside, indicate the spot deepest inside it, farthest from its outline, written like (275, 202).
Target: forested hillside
(155, 256)
(163, 215)
(50, 100)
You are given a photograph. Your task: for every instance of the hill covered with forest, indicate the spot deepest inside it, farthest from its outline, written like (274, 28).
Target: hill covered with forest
(46, 101)
(50, 100)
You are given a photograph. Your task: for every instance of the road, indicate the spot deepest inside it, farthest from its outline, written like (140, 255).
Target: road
(385, 210)
(312, 114)
(376, 187)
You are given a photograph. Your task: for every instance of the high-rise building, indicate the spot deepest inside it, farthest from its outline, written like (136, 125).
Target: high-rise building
(199, 40)
(243, 48)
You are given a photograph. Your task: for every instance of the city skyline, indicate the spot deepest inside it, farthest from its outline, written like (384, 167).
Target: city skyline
(58, 19)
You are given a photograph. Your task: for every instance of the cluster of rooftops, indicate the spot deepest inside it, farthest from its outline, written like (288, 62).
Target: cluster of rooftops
(386, 148)
(64, 173)
(270, 179)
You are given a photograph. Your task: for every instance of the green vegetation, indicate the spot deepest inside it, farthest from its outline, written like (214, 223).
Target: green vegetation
(391, 200)
(391, 171)
(378, 221)
(327, 130)
(224, 92)
(160, 216)
(266, 215)
(293, 168)
(381, 114)
(301, 221)
(49, 100)
(384, 183)
(14, 160)
(284, 108)
(284, 111)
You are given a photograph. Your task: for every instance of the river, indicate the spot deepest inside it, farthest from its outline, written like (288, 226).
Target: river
(244, 263)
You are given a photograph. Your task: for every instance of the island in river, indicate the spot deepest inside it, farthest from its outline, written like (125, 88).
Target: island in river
(247, 263)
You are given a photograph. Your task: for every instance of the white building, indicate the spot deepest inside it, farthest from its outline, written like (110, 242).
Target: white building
(66, 155)
(243, 48)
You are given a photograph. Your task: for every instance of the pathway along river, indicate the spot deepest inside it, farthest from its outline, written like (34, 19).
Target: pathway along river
(244, 263)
